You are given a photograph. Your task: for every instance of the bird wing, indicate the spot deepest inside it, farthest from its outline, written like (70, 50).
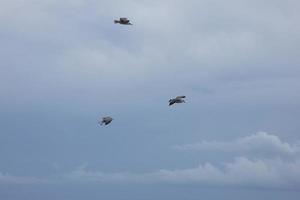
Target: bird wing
(180, 97)
(124, 19)
(172, 101)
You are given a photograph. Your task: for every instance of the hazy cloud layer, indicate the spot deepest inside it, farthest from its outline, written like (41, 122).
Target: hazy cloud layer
(240, 172)
(7, 178)
(227, 47)
(261, 143)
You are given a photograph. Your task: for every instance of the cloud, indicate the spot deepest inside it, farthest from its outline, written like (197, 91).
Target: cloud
(260, 143)
(270, 169)
(240, 172)
(262, 172)
(78, 46)
(7, 178)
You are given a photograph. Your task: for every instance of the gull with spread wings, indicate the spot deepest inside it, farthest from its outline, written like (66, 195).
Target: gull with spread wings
(123, 21)
(105, 120)
(178, 99)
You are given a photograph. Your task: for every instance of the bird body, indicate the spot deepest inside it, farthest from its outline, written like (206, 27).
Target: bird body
(178, 99)
(123, 21)
(105, 120)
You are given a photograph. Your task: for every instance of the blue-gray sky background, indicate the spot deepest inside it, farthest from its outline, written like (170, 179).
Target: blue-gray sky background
(65, 64)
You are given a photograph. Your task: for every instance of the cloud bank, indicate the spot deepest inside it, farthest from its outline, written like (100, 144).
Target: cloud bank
(240, 172)
(274, 172)
(260, 143)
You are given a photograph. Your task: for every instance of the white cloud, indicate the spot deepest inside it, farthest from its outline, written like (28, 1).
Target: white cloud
(240, 172)
(272, 172)
(261, 143)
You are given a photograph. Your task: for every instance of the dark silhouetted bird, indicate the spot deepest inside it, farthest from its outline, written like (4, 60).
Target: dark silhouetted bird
(123, 21)
(105, 120)
(178, 99)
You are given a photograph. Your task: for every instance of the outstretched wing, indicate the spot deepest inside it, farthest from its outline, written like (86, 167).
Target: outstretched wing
(172, 101)
(180, 97)
(124, 19)
(107, 122)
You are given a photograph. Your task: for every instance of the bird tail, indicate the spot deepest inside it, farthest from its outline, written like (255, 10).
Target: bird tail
(116, 21)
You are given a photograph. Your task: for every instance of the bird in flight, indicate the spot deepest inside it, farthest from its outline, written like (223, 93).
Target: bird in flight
(105, 120)
(123, 21)
(178, 99)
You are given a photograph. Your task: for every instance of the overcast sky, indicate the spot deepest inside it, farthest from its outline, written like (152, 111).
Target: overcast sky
(65, 64)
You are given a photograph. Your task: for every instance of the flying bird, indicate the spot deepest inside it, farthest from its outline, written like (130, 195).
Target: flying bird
(105, 120)
(178, 99)
(123, 21)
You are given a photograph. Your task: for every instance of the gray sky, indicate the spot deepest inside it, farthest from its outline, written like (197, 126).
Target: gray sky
(65, 64)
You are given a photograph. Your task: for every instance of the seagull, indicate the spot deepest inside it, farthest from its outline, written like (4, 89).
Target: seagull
(123, 21)
(178, 99)
(105, 120)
